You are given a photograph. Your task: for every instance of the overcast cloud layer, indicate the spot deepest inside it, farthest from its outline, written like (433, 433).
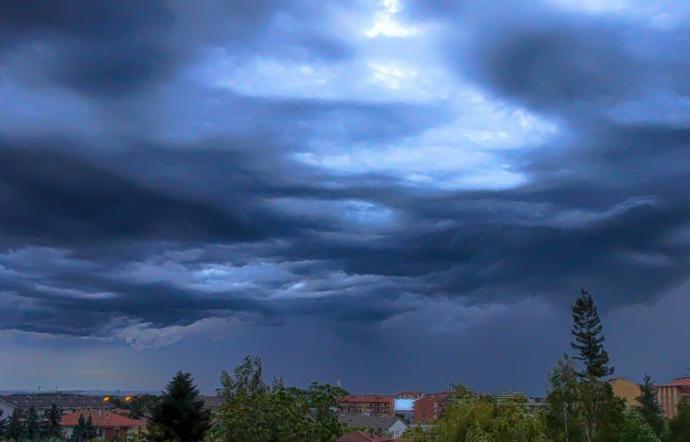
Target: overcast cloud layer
(423, 185)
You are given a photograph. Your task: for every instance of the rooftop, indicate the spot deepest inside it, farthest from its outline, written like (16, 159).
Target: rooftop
(102, 419)
(363, 421)
(368, 398)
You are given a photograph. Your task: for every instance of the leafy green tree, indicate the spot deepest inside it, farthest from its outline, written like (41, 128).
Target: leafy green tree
(599, 408)
(562, 415)
(649, 407)
(32, 425)
(679, 426)
(52, 428)
(15, 427)
(179, 415)
(637, 429)
(255, 411)
(470, 417)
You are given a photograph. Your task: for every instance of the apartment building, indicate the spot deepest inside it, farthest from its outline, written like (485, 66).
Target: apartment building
(372, 405)
(670, 395)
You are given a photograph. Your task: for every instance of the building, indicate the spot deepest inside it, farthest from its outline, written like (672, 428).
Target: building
(373, 405)
(390, 426)
(109, 426)
(670, 395)
(68, 403)
(429, 407)
(627, 390)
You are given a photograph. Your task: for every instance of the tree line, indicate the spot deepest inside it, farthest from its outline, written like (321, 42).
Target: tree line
(580, 406)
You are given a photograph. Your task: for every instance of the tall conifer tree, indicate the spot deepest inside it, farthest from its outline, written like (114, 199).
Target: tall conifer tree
(179, 415)
(32, 425)
(589, 339)
(52, 429)
(15, 427)
(601, 411)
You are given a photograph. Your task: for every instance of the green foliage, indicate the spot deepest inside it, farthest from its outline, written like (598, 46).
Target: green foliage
(52, 428)
(649, 407)
(32, 425)
(471, 417)
(179, 416)
(679, 426)
(257, 412)
(563, 416)
(418, 434)
(636, 429)
(15, 428)
(84, 431)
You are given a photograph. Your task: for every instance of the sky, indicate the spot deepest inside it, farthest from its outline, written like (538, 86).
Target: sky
(394, 194)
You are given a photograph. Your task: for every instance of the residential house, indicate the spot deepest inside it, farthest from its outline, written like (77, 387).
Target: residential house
(109, 426)
(670, 395)
(391, 426)
(626, 389)
(373, 405)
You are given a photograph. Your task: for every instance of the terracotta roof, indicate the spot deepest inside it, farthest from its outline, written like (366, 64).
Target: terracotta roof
(102, 419)
(368, 398)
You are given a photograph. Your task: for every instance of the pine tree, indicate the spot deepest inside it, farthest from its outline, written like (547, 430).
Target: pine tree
(15, 428)
(52, 428)
(179, 415)
(79, 432)
(89, 429)
(589, 340)
(649, 407)
(32, 425)
(600, 409)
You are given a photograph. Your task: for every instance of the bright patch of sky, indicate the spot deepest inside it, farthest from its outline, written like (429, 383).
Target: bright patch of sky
(398, 63)
(386, 25)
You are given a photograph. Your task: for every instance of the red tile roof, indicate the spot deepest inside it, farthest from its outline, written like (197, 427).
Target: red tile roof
(680, 381)
(368, 398)
(102, 419)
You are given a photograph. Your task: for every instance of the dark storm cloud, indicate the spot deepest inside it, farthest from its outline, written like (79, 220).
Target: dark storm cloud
(103, 49)
(153, 224)
(51, 197)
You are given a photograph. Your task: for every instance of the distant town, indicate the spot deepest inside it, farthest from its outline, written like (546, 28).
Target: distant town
(364, 417)
(584, 402)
